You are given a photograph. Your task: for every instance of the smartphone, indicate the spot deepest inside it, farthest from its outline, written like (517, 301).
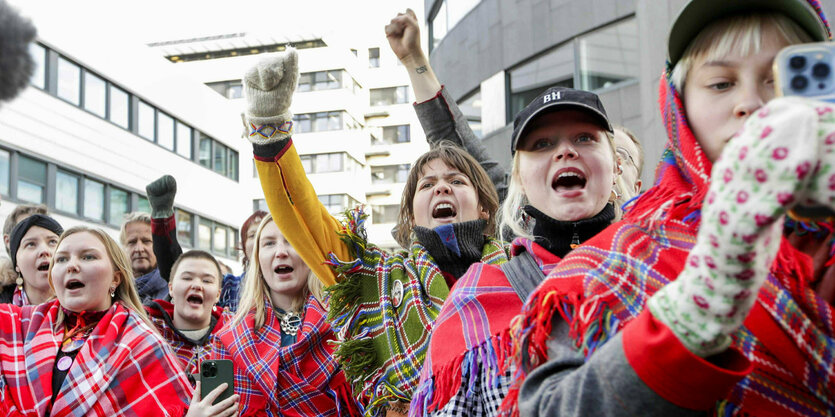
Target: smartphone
(213, 373)
(806, 70)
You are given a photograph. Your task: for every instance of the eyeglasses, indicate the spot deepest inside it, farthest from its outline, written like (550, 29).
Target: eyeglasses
(624, 156)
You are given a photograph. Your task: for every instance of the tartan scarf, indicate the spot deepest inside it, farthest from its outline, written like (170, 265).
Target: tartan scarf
(298, 380)
(471, 334)
(381, 345)
(19, 297)
(189, 353)
(124, 368)
(604, 284)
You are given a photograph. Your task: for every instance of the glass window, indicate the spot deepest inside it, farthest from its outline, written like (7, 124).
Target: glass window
(204, 235)
(145, 125)
(374, 57)
(307, 163)
(31, 181)
(183, 139)
(233, 240)
(234, 89)
(232, 168)
(389, 174)
(609, 56)
(184, 227)
(471, 108)
(69, 81)
(66, 192)
(5, 169)
(260, 204)
(335, 79)
(220, 159)
(143, 205)
(119, 206)
(335, 120)
(93, 200)
(119, 106)
(39, 57)
(438, 27)
(390, 95)
(556, 68)
(334, 203)
(205, 155)
(165, 131)
(305, 81)
(320, 122)
(220, 239)
(328, 162)
(302, 123)
(395, 134)
(95, 96)
(385, 213)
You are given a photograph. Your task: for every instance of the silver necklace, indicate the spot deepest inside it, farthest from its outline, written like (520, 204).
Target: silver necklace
(290, 322)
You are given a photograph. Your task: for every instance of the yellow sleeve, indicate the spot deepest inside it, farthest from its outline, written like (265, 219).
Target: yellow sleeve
(302, 218)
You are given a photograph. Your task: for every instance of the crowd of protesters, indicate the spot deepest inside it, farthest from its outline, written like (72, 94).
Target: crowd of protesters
(561, 287)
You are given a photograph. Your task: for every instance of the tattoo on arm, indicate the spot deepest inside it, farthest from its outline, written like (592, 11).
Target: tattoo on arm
(421, 69)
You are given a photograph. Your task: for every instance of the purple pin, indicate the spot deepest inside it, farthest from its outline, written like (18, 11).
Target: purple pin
(64, 363)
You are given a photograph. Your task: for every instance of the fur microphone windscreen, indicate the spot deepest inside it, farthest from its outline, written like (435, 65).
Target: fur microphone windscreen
(16, 64)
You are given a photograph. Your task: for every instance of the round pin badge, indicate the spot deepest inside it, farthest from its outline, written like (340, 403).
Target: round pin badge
(64, 363)
(397, 293)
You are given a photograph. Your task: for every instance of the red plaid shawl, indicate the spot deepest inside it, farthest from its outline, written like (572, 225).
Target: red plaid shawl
(471, 334)
(298, 380)
(604, 284)
(124, 368)
(189, 354)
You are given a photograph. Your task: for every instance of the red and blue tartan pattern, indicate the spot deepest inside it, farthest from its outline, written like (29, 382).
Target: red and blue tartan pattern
(188, 354)
(470, 339)
(124, 368)
(298, 380)
(605, 283)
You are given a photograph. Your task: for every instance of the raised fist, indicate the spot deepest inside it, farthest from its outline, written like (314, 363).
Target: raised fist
(161, 194)
(269, 87)
(403, 34)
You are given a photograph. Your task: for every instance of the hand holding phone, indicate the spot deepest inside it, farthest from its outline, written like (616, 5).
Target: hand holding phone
(214, 373)
(806, 70)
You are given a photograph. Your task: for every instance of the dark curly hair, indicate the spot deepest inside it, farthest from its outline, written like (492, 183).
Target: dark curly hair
(16, 64)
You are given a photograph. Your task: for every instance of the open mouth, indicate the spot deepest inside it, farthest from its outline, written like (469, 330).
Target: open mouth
(43, 266)
(74, 284)
(444, 211)
(569, 180)
(195, 299)
(283, 269)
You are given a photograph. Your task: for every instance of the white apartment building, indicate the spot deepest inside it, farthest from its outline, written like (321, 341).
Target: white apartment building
(355, 128)
(102, 119)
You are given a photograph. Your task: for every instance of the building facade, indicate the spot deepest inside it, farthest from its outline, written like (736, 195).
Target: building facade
(101, 120)
(501, 54)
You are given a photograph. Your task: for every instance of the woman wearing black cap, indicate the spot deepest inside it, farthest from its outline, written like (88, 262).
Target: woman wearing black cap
(31, 244)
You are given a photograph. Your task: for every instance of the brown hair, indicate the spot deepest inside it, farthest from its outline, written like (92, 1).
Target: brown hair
(197, 254)
(21, 210)
(459, 159)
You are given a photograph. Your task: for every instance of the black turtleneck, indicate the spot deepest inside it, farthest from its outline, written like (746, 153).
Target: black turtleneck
(455, 246)
(557, 236)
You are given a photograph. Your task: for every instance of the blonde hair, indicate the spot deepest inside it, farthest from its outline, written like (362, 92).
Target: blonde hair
(135, 217)
(256, 291)
(455, 158)
(126, 290)
(628, 190)
(511, 214)
(738, 33)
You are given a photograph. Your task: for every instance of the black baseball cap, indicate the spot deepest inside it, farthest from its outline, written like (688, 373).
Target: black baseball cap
(697, 14)
(559, 98)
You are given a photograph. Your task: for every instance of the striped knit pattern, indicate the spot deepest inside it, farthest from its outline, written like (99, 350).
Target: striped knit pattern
(604, 284)
(123, 369)
(302, 379)
(382, 347)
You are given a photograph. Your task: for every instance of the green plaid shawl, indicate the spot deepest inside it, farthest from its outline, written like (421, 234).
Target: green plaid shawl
(382, 339)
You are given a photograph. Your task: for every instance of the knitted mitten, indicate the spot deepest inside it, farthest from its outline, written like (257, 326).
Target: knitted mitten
(268, 87)
(782, 157)
(161, 194)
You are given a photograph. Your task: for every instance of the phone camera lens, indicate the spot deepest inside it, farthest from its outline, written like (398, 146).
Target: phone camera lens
(797, 62)
(820, 70)
(799, 82)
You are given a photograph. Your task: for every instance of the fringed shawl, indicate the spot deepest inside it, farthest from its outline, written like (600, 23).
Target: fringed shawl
(123, 369)
(604, 284)
(302, 379)
(383, 336)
